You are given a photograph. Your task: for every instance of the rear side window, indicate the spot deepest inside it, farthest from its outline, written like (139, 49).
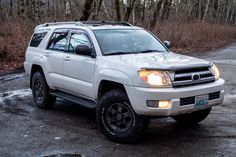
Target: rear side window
(58, 40)
(38, 37)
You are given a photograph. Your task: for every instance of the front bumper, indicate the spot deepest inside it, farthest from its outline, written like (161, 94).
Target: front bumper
(139, 95)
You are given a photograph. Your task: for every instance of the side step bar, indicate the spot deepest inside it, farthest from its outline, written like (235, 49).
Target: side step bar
(78, 100)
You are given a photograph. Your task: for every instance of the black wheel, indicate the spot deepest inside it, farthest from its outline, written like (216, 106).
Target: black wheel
(40, 91)
(192, 118)
(117, 119)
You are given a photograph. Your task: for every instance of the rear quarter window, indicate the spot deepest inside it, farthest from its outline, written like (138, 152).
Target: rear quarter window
(38, 37)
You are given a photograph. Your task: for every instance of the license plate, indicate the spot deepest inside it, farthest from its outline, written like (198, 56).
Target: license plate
(201, 100)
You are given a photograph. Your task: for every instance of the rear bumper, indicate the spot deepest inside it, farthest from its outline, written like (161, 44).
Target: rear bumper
(138, 97)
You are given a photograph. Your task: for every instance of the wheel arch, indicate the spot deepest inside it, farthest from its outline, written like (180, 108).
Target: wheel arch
(106, 86)
(109, 79)
(35, 68)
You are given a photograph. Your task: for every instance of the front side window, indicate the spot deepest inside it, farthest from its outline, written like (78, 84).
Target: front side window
(127, 41)
(38, 37)
(78, 38)
(58, 40)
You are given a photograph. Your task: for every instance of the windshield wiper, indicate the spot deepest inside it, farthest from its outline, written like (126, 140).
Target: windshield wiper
(117, 53)
(124, 53)
(148, 51)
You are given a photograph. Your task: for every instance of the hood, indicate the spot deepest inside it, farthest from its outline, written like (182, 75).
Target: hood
(160, 61)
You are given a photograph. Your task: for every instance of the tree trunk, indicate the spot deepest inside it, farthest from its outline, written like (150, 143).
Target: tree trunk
(215, 8)
(133, 17)
(99, 7)
(32, 10)
(166, 9)
(68, 10)
(129, 10)
(28, 9)
(48, 9)
(117, 7)
(1, 16)
(143, 10)
(37, 11)
(11, 8)
(105, 9)
(156, 13)
(228, 11)
(86, 10)
(54, 9)
(93, 11)
(200, 15)
(206, 10)
(22, 9)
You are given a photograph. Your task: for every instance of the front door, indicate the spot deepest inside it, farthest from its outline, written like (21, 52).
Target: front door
(79, 69)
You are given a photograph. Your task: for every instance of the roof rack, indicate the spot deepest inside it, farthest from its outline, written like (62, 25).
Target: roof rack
(98, 23)
(78, 23)
(84, 23)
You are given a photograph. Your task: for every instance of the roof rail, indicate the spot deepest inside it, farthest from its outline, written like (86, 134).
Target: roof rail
(78, 23)
(84, 23)
(98, 23)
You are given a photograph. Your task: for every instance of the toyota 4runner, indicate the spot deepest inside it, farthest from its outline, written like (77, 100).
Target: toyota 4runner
(124, 72)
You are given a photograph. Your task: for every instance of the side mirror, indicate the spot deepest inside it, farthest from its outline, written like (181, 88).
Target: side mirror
(167, 44)
(84, 50)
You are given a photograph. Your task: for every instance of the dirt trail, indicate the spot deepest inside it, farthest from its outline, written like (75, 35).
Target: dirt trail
(69, 129)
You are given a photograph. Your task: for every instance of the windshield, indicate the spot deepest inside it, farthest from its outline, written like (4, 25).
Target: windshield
(119, 41)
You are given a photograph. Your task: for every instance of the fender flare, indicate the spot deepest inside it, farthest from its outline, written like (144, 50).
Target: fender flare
(111, 75)
(38, 60)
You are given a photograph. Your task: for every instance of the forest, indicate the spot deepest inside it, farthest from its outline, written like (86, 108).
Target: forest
(191, 25)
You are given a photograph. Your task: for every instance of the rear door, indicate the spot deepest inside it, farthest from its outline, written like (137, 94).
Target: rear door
(79, 69)
(55, 53)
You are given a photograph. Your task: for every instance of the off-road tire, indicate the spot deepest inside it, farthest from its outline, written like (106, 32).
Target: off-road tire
(42, 97)
(138, 124)
(192, 118)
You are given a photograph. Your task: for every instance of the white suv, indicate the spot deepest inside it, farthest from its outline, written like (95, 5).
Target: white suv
(123, 71)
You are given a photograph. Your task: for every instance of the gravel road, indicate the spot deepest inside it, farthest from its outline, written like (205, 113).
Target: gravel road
(26, 131)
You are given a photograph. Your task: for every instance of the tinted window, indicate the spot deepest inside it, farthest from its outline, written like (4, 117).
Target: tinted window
(78, 39)
(38, 37)
(58, 40)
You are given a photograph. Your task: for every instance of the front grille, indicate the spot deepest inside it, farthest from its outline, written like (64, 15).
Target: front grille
(188, 77)
(187, 101)
(215, 95)
(191, 100)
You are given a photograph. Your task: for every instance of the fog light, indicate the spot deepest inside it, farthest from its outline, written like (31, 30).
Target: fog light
(163, 104)
(152, 103)
(158, 104)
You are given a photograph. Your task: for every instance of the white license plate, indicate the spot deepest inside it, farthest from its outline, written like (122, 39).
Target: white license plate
(201, 100)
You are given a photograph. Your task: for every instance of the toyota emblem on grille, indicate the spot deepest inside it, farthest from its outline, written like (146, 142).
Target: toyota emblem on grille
(196, 77)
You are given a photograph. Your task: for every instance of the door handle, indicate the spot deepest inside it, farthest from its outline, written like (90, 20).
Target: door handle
(47, 54)
(67, 58)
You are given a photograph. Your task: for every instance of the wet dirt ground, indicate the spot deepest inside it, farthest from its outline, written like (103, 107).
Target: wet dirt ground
(71, 130)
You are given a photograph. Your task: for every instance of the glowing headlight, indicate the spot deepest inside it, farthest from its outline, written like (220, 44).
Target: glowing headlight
(215, 71)
(155, 78)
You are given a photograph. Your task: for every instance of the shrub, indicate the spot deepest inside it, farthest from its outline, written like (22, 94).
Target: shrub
(196, 36)
(14, 36)
(185, 37)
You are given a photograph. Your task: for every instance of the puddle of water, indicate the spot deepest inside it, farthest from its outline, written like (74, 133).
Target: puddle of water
(230, 96)
(12, 77)
(18, 93)
(64, 155)
(226, 61)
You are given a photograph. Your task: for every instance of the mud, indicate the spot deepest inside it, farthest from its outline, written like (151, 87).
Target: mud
(69, 130)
